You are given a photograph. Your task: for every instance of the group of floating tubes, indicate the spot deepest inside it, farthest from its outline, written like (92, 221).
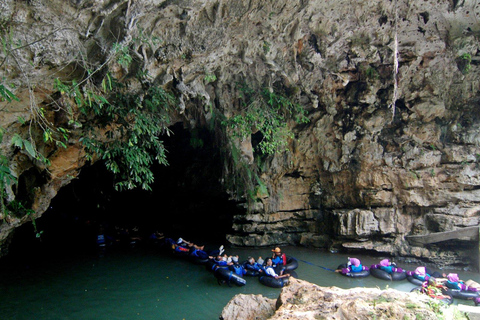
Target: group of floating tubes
(227, 274)
(447, 294)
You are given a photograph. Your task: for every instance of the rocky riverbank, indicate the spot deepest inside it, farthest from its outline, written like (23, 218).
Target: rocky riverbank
(304, 300)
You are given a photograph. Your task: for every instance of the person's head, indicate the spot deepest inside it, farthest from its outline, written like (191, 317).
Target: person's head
(453, 277)
(420, 271)
(268, 261)
(277, 251)
(354, 261)
(385, 263)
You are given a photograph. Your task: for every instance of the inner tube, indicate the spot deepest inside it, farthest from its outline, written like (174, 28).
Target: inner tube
(292, 264)
(463, 294)
(250, 272)
(361, 274)
(198, 260)
(381, 274)
(414, 280)
(227, 276)
(272, 282)
(276, 283)
(211, 266)
(448, 299)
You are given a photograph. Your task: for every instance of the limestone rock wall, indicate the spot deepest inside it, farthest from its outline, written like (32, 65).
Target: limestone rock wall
(361, 175)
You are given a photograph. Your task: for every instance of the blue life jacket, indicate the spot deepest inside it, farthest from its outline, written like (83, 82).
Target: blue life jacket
(101, 239)
(356, 269)
(388, 269)
(453, 285)
(239, 270)
(253, 267)
(279, 259)
(422, 278)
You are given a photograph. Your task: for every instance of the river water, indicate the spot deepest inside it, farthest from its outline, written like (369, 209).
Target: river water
(143, 283)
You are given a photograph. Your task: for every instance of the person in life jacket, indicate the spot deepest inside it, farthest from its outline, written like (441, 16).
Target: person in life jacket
(236, 267)
(353, 265)
(252, 265)
(278, 258)
(270, 271)
(387, 266)
(222, 262)
(453, 282)
(420, 273)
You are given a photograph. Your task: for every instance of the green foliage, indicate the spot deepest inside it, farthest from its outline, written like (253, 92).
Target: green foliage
(18, 209)
(133, 124)
(7, 95)
(266, 47)
(464, 63)
(122, 54)
(143, 39)
(372, 73)
(267, 113)
(6, 179)
(264, 118)
(196, 141)
(210, 78)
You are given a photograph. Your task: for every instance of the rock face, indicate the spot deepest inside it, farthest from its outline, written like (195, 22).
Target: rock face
(362, 174)
(303, 300)
(249, 307)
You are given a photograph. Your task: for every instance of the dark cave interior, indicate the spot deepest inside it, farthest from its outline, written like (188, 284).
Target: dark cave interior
(187, 200)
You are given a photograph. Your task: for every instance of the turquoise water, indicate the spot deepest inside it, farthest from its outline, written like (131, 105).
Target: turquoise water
(146, 284)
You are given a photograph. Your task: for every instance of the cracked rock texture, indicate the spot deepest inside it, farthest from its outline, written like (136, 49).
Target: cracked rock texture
(361, 175)
(304, 300)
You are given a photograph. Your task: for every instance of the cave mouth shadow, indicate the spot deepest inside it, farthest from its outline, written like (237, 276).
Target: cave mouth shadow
(187, 200)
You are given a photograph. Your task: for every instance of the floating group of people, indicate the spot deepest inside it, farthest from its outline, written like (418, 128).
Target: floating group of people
(443, 286)
(273, 271)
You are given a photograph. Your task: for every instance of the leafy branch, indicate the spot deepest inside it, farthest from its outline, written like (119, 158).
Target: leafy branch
(267, 113)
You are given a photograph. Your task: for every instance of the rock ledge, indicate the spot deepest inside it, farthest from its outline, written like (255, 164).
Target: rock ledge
(304, 300)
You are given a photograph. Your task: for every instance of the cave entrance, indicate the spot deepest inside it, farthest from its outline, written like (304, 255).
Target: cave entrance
(187, 199)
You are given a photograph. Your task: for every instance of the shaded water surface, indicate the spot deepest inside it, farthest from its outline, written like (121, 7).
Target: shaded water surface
(146, 284)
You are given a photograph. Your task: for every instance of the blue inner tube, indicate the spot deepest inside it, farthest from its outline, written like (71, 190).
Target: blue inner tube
(198, 260)
(225, 274)
(211, 265)
(380, 274)
(252, 273)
